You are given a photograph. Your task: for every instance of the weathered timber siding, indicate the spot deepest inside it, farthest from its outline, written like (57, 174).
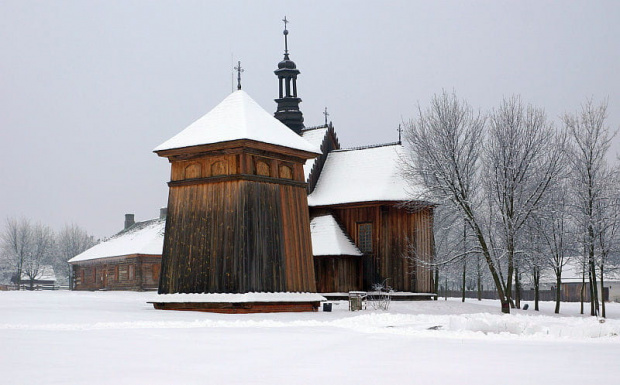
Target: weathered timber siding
(237, 236)
(135, 272)
(396, 231)
(336, 274)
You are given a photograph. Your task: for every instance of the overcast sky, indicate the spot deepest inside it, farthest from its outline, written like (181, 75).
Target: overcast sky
(89, 88)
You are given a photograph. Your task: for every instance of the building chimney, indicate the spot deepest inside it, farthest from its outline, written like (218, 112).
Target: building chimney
(129, 221)
(163, 212)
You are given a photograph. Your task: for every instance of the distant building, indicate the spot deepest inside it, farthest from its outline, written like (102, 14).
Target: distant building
(129, 260)
(572, 284)
(44, 279)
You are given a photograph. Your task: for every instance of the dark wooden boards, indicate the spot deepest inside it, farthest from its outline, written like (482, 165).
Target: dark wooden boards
(401, 243)
(132, 272)
(237, 222)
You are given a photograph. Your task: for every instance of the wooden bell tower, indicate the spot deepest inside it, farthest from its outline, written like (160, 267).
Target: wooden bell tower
(237, 209)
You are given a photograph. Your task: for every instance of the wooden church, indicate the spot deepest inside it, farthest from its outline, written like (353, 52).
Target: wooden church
(263, 212)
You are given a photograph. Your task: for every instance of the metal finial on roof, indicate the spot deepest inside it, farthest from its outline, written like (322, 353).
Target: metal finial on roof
(326, 115)
(239, 71)
(285, 37)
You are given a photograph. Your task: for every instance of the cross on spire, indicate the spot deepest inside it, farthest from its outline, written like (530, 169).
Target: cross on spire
(285, 37)
(326, 115)
(239, 71)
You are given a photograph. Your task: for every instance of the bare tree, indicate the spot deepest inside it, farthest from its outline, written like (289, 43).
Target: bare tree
(28, 247)
(522, 157)
(71, 241)
(554, 238)
(16, 244)
(590, 142)
(446, 143)
(40, 253)
(607, 227)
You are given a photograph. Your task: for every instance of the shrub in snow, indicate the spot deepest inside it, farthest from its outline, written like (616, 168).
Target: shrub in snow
(381, 296)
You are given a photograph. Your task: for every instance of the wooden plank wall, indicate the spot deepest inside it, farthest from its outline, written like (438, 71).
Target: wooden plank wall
(237, 236)
(394, 231)
(336, 274)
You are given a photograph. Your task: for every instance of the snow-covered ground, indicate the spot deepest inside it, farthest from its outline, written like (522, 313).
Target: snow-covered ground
(117, 338)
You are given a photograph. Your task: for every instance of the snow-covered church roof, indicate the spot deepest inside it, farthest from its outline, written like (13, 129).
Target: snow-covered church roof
(329, 239)
(362, 175)
(238, 116)
(142, 238)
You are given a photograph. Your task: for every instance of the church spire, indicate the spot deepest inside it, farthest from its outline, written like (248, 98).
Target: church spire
(285, 38)
(288, 111)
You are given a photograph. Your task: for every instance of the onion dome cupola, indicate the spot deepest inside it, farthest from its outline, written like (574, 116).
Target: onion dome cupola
(288, 111)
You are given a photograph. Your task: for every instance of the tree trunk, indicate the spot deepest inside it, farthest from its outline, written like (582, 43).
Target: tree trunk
(19, 278)
(536, 289)
(479, 281)
(593, 289)
(510, 274)
(602, 295)
(583, 288)
(463, 282)
(517, 289)
(436, 283)
(494, 273)
(558, 293)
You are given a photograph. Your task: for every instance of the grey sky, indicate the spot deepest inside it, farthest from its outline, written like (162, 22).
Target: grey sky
(89, 88)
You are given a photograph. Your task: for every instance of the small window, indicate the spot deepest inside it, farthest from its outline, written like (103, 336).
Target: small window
(364, 237)
(132, 272)
(122, 273)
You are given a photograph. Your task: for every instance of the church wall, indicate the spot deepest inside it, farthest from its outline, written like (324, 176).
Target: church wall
(338, 274)
(394, 231)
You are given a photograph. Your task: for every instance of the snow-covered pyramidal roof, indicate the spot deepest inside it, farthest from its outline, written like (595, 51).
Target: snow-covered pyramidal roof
(237, 117)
